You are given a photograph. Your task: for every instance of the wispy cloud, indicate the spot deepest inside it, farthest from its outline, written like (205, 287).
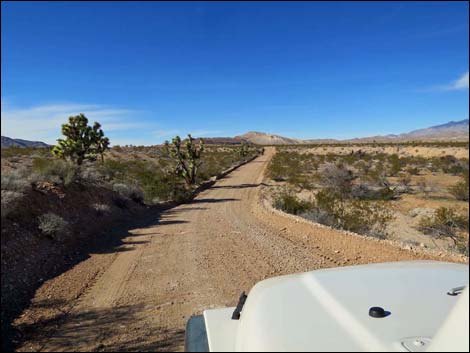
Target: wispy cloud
(461, 83)
(458, 85)
(43, 122)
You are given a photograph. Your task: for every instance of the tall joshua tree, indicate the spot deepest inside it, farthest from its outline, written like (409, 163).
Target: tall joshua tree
(187, 157)
(82, 142)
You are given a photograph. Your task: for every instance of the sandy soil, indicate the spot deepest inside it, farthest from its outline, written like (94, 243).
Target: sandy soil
(196, 256)
(423, 151)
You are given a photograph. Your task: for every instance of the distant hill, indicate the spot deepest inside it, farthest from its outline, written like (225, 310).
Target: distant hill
(9, 142)
(453, 130)
(262, 138)
(259, 138)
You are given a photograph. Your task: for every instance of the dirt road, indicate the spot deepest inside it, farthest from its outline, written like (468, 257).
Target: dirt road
(195, 256)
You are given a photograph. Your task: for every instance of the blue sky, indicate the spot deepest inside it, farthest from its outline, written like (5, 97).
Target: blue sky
(148, 71)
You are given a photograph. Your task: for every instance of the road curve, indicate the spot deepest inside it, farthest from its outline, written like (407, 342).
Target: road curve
(196, 256)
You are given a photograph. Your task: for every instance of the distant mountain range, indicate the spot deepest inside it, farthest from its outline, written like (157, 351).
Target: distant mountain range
(9, 142)
(453, 131)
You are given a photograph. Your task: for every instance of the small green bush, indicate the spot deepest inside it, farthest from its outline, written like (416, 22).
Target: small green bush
(395, 165)
(360, 216)
(461, 189)
(55, 171)
(336, 178)
(445, 223)
(10, 201)
(16, 180)
(54, 226)
(131, 192)
(286, 201)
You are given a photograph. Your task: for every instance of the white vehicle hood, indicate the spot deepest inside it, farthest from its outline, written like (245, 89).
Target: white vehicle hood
(328, 310)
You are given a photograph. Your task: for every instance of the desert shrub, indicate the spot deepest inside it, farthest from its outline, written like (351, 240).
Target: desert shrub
(394, 164)
(214, 161)
(301, 181)
(55, 171)
(413, 170)
(156, 178)
(364, 191)
(285, 166)
(16, 180)
(10, 201)
(129, 191)
(363, 166)
(101, 208)
(462, 248)
(455, 169)
(448, 164)
(53, 226)
(377, 176)
(337, 178)
(445, 223)
(359, 216)
(275, 170)
(154, 182)
(92, 174)
(286, 201)
(461, 189)
(404, 182)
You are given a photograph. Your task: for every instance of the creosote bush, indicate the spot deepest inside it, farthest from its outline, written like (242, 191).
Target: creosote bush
(286, 201)
(336, 178)
(445, 223)
(461, 189)
(359, 216)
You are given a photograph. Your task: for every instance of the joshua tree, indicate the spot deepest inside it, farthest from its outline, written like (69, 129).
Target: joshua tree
(187, 159)
(81, 141)
(243, 150)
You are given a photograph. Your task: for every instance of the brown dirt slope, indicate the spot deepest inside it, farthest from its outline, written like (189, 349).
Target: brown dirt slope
(175, 264)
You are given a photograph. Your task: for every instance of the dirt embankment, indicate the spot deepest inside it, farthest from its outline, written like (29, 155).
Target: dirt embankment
(30, 258)
(173, 264)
